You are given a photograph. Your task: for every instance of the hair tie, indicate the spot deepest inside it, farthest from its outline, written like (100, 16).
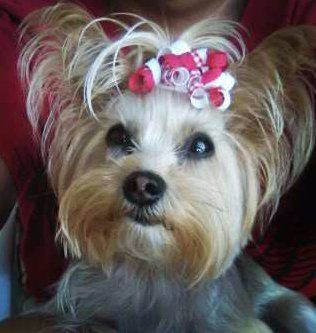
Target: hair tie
(201, 73)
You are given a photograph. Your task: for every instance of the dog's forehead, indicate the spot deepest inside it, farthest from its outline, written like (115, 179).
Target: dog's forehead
(166, 113)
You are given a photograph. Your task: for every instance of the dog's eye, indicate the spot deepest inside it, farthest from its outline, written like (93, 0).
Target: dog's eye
(199, 146)
(118, 138)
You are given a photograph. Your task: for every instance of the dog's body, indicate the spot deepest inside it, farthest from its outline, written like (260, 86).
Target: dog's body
(157, 198)
(243, 300)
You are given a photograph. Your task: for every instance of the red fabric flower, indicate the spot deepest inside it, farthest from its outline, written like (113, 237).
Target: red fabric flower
(211, 75)
(216, 97)
(217, 59)
(171, 60)
(142, 81)
(187, 61)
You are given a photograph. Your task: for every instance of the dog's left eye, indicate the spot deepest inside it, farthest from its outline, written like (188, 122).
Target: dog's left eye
(199, 146)
(118, 138)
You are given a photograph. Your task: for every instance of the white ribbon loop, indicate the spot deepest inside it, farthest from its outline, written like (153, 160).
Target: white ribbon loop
(199, 98)
(155, 68)
(180, 77)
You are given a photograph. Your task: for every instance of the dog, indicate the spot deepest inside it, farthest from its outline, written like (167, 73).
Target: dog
(164, 154)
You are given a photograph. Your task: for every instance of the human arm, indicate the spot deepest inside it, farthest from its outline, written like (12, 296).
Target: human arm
(7, 193)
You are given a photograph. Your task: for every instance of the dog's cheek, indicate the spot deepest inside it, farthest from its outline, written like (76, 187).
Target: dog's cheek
(206, 215)
(89, 215)
(77, 148)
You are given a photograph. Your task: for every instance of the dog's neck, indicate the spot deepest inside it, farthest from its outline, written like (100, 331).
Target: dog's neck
(134, 301)
(177, 15)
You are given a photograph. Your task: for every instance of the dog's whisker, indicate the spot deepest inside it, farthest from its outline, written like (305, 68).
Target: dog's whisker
(116, 162)
(208, 203)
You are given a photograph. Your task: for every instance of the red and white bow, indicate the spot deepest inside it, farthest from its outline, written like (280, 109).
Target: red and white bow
(201, 73)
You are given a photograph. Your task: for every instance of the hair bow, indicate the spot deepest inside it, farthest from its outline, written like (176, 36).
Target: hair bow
(201, 73)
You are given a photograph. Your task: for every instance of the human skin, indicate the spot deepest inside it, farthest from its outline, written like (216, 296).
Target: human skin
(179, 14)
(7, 193)
(174, 14)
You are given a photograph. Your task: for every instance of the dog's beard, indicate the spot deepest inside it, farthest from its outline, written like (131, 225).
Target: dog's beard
(187, 235)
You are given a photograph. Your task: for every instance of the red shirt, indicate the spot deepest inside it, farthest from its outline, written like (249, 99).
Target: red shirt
(288, 251)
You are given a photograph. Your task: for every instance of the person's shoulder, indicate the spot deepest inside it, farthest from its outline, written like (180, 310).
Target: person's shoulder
(262, 18)
(303, 12)
(282, 12)
(11, 15)
(18, 9)
(15, 133)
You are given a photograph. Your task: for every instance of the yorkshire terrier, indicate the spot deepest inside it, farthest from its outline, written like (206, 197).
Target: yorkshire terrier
(163, 154)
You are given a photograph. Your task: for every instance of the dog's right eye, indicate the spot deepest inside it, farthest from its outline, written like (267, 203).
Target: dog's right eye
(199, 146)
(119, 139)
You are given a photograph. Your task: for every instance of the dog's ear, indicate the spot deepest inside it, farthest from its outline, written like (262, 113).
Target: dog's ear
(60, 44)
(272, 115)
(49, 38)
(65, 50)
(69, 62)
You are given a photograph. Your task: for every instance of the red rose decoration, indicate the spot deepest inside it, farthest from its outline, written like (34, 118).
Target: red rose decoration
(170, 60)
(217, 60)
(187, 61)
(142, 81)
(211, 75)
(216, 97)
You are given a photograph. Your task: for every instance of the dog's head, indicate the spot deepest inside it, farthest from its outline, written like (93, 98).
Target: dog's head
(149, 178)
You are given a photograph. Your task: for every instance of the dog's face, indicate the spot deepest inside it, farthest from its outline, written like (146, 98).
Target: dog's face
(158, 181)
(150, 179)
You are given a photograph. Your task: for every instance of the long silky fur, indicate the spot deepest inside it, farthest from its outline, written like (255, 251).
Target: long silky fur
(172, 275)
(243, 300)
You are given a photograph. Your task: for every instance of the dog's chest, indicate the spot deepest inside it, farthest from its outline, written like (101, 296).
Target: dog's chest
(132, 302)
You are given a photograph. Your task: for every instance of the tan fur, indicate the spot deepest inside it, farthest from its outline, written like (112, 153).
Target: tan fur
(261, 144)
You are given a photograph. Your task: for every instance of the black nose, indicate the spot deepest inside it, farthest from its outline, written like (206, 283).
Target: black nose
(143, 188)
